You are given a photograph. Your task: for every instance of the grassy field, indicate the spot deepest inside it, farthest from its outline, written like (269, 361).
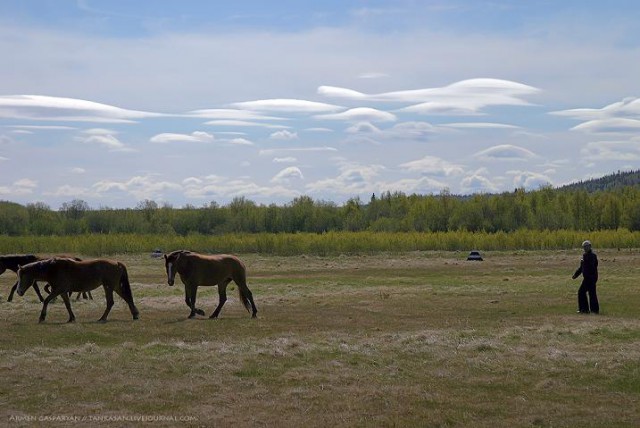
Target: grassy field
(409, 339)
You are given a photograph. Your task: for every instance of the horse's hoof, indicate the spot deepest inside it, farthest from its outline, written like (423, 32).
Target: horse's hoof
(102, 321)
(136, 316)
(213, 317)
(71, 320)
(192, 316)
(41, 320)
(200, 312)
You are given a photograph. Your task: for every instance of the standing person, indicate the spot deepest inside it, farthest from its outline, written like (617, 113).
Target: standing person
(589, 270)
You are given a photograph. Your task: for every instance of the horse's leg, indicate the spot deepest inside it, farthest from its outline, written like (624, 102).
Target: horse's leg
(67, 303)
(191, 292)
(222, 297)
(13, 290)
(132, 307)
(37, 289)
(50, 297)
(189, 299)
(108, 293)
(89, 294)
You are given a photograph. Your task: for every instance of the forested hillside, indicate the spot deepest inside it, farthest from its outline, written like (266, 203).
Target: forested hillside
(571, 207)
(608, 182)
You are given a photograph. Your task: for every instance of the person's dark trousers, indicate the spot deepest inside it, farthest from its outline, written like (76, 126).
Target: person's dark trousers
(590, 305)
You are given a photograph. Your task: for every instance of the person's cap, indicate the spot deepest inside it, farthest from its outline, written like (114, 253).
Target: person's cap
(586, 244)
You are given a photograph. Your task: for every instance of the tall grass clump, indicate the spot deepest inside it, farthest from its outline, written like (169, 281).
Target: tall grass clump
(329, 243)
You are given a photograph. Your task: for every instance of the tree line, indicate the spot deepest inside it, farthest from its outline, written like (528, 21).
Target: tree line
(543, 209)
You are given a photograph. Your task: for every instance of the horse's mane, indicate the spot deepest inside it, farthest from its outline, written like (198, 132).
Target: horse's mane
(37, 265)
(178, 252)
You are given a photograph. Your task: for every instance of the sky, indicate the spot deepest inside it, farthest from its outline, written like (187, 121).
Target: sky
(116, 102)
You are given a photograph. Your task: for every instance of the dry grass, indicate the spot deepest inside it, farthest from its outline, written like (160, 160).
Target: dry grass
(413, 339)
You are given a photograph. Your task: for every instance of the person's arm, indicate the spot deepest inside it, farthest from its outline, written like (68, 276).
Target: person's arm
(579, 270)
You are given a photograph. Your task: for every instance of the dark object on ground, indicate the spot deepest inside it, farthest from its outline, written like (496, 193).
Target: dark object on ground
(475, 256)
(157, 253)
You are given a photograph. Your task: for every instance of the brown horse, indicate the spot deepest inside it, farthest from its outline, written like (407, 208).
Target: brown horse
(68, 275)
(198, 270)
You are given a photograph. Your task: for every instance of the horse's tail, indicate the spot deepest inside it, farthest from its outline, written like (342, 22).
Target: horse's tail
(246, 297)
(244, 293)
(125, 286)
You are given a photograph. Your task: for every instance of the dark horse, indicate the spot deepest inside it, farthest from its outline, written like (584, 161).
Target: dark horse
(68, 275)
(12, 263)
(198, 270)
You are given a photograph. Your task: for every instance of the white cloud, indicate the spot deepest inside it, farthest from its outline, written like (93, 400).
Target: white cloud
(626, 151)
(479, 125)
(287, 175)
(298, 149)
(22, 187)
(221, 187)
(78, 170)
(609, 126)
(359, 114)
(529, 180)
(362, 127)
(431, 165)
(410, 131)
(477, 183)
(352, 180)
(43, 127)
(617, 118)
(108, 141)
(39, 107)
(243, 124)
(2, 158)
(67, 190)
(319, 129)
(372, 75)
(99, 131)
(287, 159)
(141, 187)
(283, 135)
(189, 181)
(231, 114)
(26, 183)
(288, 105)
(628, 107)
(424, 185)
(194, 137)
(240, 142)
(505, 152)
(466, 97)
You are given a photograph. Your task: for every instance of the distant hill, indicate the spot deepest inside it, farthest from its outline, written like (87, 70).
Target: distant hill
(608, 182)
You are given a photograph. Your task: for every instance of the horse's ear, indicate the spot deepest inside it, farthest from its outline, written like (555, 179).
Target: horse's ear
(165, 256)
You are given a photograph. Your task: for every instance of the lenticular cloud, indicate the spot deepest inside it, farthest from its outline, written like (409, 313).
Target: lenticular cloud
(70, 109)
(459, 98)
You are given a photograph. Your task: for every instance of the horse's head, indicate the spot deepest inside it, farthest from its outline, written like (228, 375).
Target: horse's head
(29, 273)
(25, 279)
(171, 266)
(2, 267)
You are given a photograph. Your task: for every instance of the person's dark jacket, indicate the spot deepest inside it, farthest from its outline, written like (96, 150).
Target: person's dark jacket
(588, 267)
